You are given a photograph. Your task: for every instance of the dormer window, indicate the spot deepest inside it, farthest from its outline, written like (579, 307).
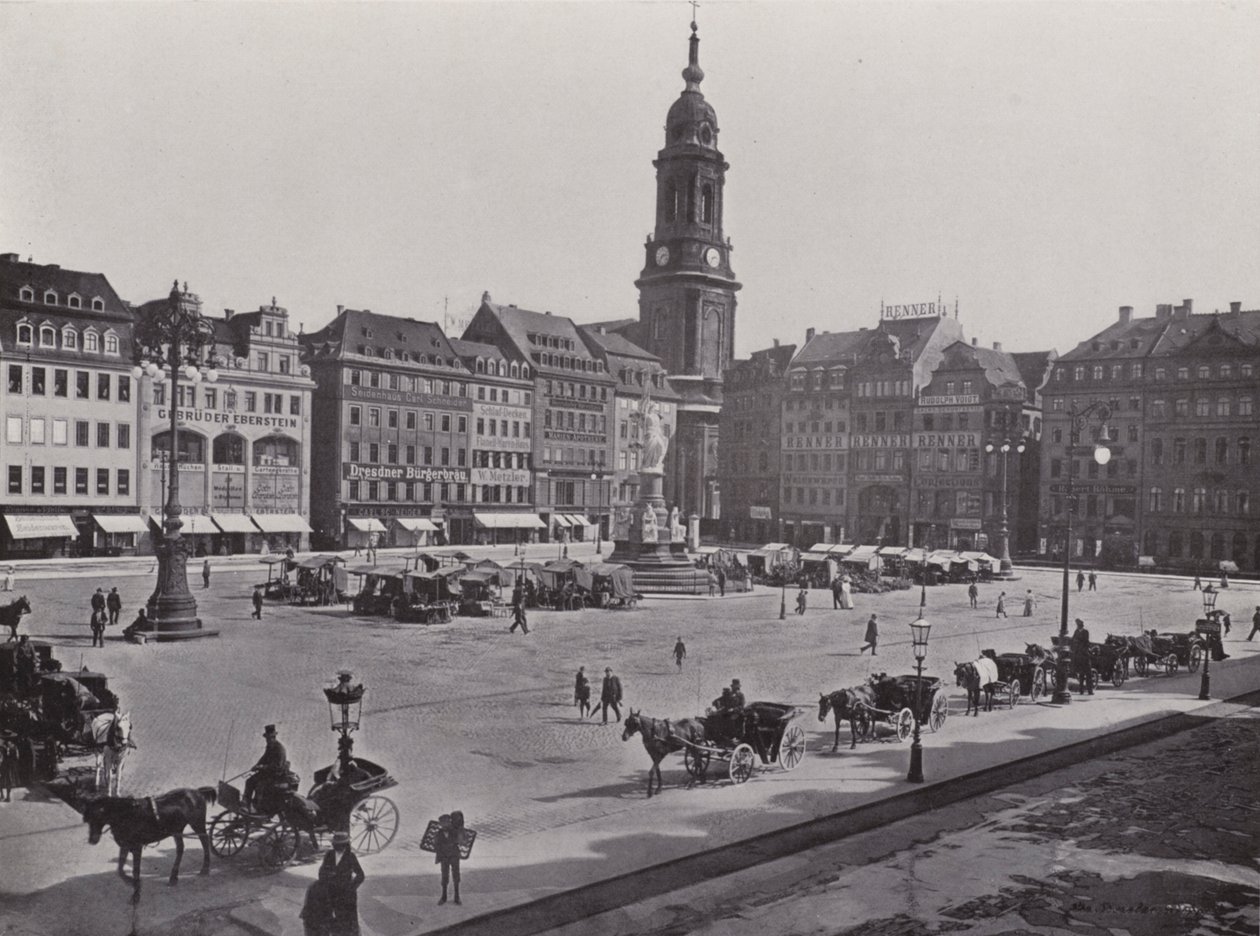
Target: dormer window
(47, 336)
(26, 294)
(515, 369)
(525, 371)
(91, 341)
(111, 342)
(502, 369)
(25, 334)
(74, 301)
(98, 304)
(50, 297)
(69, 339)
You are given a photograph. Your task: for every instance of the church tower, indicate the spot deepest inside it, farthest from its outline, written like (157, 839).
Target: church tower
(687, 289)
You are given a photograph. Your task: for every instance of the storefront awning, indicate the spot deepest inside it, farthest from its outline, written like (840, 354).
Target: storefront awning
(194, 524)
(281, 523)
(560, 520)
(416, 524)
(579, 520)
(366, 524)
(233, 523)
(508, 521)
(39, 526)
(121, 523)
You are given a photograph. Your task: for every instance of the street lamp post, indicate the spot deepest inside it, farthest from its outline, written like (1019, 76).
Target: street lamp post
(1209, 606)
(1077, 421)
(172, 337)
(345, 706)
(1005, 570)
(919, 631)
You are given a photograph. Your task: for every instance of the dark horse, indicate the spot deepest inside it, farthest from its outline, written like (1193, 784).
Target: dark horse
(854, 704)
(11, 615)
(662, 736)
(968, 676)
(139, 821)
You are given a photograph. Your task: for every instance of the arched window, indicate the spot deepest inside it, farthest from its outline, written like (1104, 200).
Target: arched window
(229, 449)
(25, 334)
(74, 301)
(1196, 545)
(91, 340)
(111, 342)
(1238, 548)
(192, 447)
(1222, 451)
(1242, 503)
(1176, 544)
(1204, 372)
(50, 297)
(481, 366)
(1150, 543)
(1217, 546)
(525, 371)
(1154, 502)
(47, 336)
(502, 369)
(1222, 406)
(1200, 451)
(671, 201)
(98, 304)
(69, 338)
(1198, 500)
(1244, 451)
(706, 203)
(1179, 500)
(515, 369)
(26, 294)
(1220, 501)
(277, 450)
(1157, 450)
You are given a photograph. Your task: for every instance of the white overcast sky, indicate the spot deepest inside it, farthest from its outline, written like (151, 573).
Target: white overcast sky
(1042, 162)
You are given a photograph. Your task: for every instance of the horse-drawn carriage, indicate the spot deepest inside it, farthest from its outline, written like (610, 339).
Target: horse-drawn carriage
(1022, 675)
(900, 701)
(1189, 648)
(1149, 653)
(280, 817)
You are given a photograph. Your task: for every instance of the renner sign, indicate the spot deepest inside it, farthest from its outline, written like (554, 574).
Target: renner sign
(917, 310)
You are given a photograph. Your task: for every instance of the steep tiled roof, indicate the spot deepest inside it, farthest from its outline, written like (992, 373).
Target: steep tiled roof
(529, 332)
(1034, 367)
(828, 347)
(405, 338)
(1243, 327)
(14, 274)
(614, 343)
(471, 350)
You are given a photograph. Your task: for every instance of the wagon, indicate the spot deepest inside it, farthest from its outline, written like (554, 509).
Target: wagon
(1022, 675)
(1110, 660)
(760, 731)
(275, 828)
(1150, 653)
(1189, 648)
(899, 703)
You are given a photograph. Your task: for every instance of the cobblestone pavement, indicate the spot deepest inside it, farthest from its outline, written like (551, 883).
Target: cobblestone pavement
(1106, 848)
(469, 716)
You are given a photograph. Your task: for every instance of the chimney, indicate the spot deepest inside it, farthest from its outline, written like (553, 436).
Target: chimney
(1126, 315)
(9, 258)
(485, 296)
(809, 335)
(776, 342)
(1182, 312)
(340, 308)
(1233, 306)
(603, 330)
(227, 314)
(997, 346)
(975, 342)
(1163, 310)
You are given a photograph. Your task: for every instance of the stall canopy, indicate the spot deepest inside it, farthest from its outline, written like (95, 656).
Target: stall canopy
(981, 557)
(234, 523)
(416, 524)
(492, 568)
(385, 571)
(620, 577)
(316, 562)
(942, 559)
(38, 526)
(1228, 565)
(196, 524)
(281, 523)
(366, 524)
(863, 555)
(893, 552)
(121, 523)
(507, 521)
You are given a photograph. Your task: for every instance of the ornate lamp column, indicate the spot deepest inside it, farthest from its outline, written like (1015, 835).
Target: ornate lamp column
(1209, 627)
(919, 631)
(172, 337)
(1005, 568)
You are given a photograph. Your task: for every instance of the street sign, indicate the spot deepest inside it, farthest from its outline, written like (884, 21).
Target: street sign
(1208, 628)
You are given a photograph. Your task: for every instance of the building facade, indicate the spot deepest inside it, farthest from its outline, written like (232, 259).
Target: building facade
(68, 397)
(393, 427)
(244, 466)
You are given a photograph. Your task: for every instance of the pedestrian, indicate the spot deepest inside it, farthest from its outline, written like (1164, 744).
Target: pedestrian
(1029, 601)
(25, 664)
(721, 577)
(1255, 623)
(800, 600)
(113, 602)
(258, 602)
(610, 694)
(9, 580)
(680, 653)
(872, 635)
(97, 623)
(1198, 585)
(265, 548)
(331, 907)
(1226, 621)
(1080, 580)
(973, 593)
(1093, 580)
(835, 593)
(846, 593)
(98, 601)
(1080, 659)
(205, 573)
(712, 585)
(1001, 606)
(518, 618)
(1224, 580)
(8, 767)
(582, 693)
(446, 852)
(139, 625)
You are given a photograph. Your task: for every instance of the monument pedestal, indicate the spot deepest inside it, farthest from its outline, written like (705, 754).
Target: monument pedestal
(656, 553)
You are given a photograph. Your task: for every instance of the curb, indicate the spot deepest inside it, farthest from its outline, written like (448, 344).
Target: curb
(553, 911)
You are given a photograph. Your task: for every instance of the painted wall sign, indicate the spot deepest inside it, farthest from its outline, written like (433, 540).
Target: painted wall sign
(956, 399)
(925, 480)
(893, 313)
(185, 416)
(815, 442)
(896, 440)
(1087, 487)
(879, 479)
(759, 513)
(370, 395)
(940, 440)
(351, 471)
(516, 477)
(964, 523)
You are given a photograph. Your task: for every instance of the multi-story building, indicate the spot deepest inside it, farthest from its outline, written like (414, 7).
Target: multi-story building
(573, 413)
(393, 427)
(501, 475)
(244, 439)
(1180, 487)
(751, 433)
(637, 374)
(68, 399)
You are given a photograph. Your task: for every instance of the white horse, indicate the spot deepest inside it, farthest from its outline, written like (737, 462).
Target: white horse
(111, 735)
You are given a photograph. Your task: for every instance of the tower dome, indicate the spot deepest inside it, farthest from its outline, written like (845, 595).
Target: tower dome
(691, 118)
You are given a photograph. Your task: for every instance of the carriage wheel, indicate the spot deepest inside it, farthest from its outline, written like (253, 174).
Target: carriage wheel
(228, 834)
(1170, 663)
(1119, 673)
(904, 723)
(1139, 665)
(696, 762)
(939, 712)
(373, 825)
(1196, 657)
(1012, 697)
(277, 846)
(792, 747)
(1038, 688)
(741, 763)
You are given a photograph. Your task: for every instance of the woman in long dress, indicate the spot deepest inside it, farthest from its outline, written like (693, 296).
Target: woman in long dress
(846, 594)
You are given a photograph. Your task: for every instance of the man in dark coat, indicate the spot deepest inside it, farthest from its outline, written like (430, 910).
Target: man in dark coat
(1081, 662)
(721, 577)
(98, 627)
(25, 663)
(582, 692)
(1255, 623)
(1080, 580)
(113, 601)
(272, 767)
(331, 907)
(98, 601)
(446, 854)
(610, 694)
(258, 602)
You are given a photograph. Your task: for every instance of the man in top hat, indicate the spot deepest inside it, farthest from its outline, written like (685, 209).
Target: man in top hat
(113, 602)
(331, 907)
(1081, 662)
(272, 767)
(610, 694)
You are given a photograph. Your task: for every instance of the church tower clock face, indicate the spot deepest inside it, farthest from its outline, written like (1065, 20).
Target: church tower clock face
(712, 257)
(662, 255)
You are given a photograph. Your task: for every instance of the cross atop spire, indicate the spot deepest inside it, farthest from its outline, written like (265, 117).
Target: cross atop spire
(695, 4)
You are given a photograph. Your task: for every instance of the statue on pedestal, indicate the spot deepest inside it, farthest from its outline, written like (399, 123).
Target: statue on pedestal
(648, 533)
(652, 431)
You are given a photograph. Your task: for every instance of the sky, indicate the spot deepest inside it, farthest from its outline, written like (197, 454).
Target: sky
(1039, 163)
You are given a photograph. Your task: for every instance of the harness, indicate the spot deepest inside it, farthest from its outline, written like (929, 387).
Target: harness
(153, 808)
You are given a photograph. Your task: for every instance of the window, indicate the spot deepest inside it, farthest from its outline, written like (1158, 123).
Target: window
(82, 385)
(391, 418)
(462, 425)
(13, 430)
(37, 430)
(1154, 500)
(1179, 451)
(374, 453)
(1244, 451)
(1200, 451)
(1181, 408)
(1222, 451)
(295, 406)
(82, 431)
(15, 479)
(91, 342)
(124, 389)
(1242, 504)
(102, 480)
(1157, 451)
(1244, 370)
(1202, 407)
(102, 435)
(102, 386)
(1159, 409)
(355, 416)
(15, 378)
(124, 481)
(48, 334)
(111, 343)
(37, 479)
(1204, 372)
(374, 416)
(59, 480)
(1179, 500)
(1135, 371)
(261, 361)
(446, 422)
(37, 381)
(124, 435)
(284, 365)
(1133, 433)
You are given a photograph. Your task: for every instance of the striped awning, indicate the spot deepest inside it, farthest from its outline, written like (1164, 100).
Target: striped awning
(507, 521)
(121, 523)
(281, 523)
(416, 524)
(366, 524)
(39, 526)
(578, 520)
(561, 520)
(194, 524)
(233, 523)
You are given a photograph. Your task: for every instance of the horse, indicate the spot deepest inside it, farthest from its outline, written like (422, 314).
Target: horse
(969, 676)
(854, 704)
(662, 737)
(11, 615)
(111, 735)
(139, 821)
